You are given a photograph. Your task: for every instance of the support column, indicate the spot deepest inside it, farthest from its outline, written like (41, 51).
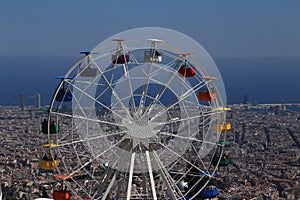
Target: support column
(130, 176)
(151, 176)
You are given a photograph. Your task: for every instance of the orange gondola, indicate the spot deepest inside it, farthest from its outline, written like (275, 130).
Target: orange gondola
(61, 195)
(207, 96)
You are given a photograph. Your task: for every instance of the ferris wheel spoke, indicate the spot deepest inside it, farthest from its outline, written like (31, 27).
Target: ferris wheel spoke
(199, 158)
(149, 76)
(167, 67)
(116, 96)
(146, 86)
(92, 98)
(181, 157)
(191, 138)
(96, 157)
(78, 106)
(111, 181)
(168, 180)
(91, 138)
(161, 92)
(175, 120)
(182, 97)
(130, 91)
(87, 172)
(88, 119)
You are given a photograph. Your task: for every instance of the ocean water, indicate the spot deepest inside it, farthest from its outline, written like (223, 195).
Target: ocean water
(264, 80)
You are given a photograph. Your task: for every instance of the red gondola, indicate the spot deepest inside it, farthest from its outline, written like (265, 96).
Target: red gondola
(120, 57)
(186, 71)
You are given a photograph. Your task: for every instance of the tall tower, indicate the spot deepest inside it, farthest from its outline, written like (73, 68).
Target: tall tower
(21, 100)
(37, 100)
(246, 99)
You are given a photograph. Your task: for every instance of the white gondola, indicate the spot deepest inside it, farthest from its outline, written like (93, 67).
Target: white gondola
(87, 69)
(152, 54)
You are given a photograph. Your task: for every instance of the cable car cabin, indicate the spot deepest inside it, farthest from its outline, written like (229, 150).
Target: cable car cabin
(61, 195)
(121, 59)
(186, 71)
(88, 71)
(206, 96)
(209, 192)
(152, 55)
(63, 95)
(47, 163)
(225, 161)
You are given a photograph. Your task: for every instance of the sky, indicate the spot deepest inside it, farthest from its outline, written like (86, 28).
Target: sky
(230, 28)
(225, 28)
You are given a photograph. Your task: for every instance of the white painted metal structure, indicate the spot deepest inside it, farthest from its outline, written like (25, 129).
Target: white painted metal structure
(135, 128)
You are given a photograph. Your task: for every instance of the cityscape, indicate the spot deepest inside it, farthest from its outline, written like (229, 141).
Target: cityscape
(264, 153)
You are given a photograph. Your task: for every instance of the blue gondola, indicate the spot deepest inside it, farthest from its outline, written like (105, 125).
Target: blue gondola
(63, 77)
(85, 52)
(184, 198)
(64, 94)
(209, 192)
(209, 175)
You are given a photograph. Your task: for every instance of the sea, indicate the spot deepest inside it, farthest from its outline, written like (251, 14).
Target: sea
(263, 80)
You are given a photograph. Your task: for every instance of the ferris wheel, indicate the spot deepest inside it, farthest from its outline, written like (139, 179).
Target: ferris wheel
(140, 116)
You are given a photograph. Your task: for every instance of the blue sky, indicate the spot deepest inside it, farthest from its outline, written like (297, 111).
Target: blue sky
(225, 28)
(230, 28)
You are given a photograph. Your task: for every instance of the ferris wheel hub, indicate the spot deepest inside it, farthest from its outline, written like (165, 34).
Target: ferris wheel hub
(141, 130)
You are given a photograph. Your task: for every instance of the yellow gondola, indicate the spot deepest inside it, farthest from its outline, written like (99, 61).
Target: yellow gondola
(222, 109)
(47, 162)
(224, 127)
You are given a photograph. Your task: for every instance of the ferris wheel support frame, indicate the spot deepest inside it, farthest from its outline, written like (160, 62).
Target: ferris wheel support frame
(124, 114)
